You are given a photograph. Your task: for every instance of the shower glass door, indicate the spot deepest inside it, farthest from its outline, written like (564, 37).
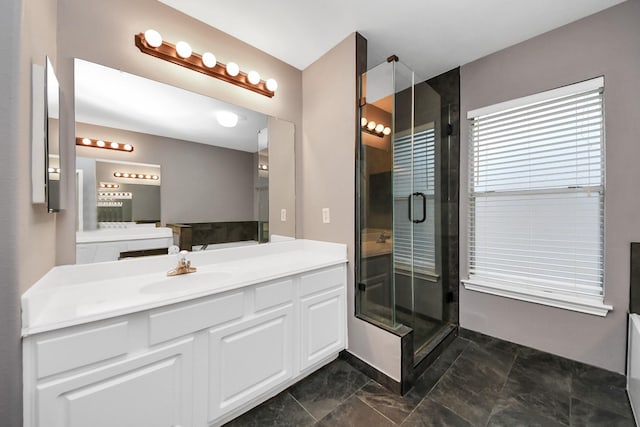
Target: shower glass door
(399, 210)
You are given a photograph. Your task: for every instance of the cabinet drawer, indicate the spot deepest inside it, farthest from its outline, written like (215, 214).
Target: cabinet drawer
(321, 280)
(177, 322)
(74, 350)
(273, 294)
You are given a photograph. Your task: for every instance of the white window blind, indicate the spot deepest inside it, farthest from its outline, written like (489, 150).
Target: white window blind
(536, 218)
(414, 171)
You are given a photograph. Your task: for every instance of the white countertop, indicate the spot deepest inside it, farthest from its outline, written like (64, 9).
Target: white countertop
(75, 294)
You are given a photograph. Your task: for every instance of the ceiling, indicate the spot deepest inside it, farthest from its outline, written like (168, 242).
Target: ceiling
(112, 98)
(430, 36)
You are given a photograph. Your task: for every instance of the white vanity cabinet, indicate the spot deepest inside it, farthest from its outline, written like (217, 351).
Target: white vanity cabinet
(197, 363)
(153, 388)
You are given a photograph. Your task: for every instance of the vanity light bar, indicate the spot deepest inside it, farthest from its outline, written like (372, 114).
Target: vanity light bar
(109, 185)
(107, 145)
(106, 196)
(151, 43)
(109, 204)
(135, 175)
(373, 128)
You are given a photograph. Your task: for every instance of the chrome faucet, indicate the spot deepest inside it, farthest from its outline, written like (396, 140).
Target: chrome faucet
(184, 265)
(382, 238)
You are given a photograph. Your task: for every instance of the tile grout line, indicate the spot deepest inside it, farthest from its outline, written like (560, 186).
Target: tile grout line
(302, 406)
(437, 382)
(506, 379)
(383, 415)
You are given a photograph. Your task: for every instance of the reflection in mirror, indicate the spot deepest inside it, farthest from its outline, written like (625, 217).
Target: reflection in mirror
(52, 180)
(218, 184)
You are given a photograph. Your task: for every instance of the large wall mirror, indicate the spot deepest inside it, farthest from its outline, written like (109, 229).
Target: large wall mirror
(158, 165)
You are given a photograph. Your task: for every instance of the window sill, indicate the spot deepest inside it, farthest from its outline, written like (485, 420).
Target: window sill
(583, 304)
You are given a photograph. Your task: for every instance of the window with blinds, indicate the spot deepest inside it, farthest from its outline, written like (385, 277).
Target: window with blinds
(536, 192)
(414, 171)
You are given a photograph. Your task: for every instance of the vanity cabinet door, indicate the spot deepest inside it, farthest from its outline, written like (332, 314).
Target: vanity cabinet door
(152, 389)
(249, 359)
(323, 326)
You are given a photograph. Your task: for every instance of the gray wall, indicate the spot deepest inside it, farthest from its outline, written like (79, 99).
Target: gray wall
(282, 177)
(607, 43)
(328, 181)
(27, 34)
(199, 182)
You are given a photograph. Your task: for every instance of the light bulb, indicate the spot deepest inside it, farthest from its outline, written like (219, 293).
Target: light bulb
(147, 176)
(86, 141)
(209, 60)
(128, 147)
(153, 38)
(379, 128)
(183, 49)
(363, 122)
(115, 145)
(386, 131)
(227, 119)
(100, 143)
(117, 174)
(371, 125)
(253, 77)
(126, 175)
(51, 170)
(155, 177)
(272, 85)
(233, 69)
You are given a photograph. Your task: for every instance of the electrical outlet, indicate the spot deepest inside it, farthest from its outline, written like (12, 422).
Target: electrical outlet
(326, 216)
(283, 215)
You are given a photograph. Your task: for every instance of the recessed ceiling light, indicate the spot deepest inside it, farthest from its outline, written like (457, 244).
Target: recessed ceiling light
(227, 119)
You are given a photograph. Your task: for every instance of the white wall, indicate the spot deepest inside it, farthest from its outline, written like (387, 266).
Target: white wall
(327, 180)
(607, 43)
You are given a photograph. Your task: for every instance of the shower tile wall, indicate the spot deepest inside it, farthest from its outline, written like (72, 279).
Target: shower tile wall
(447, 85)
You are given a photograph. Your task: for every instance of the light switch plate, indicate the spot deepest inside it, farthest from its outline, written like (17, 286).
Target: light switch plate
(326, 216)
(283, 215)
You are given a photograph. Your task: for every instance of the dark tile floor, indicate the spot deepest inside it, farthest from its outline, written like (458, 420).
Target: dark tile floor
(477, 381)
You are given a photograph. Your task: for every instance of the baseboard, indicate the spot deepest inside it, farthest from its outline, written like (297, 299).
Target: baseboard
(373, 373)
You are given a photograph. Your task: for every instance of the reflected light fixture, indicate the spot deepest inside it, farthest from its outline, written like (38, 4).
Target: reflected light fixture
(227, 119)
(102, 195)
(109, 185)
(377, 129)
(135, 175)
(151, 43)
(107, 145)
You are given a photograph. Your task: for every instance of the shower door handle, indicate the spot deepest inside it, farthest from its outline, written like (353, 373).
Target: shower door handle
(424, 207)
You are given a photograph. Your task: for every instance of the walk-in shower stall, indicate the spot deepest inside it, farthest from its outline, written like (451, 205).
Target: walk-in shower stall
(407, 210)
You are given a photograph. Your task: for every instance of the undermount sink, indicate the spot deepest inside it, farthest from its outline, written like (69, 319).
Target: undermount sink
(190, 281)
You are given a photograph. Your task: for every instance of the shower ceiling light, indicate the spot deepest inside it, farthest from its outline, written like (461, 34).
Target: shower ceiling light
(151, 43)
